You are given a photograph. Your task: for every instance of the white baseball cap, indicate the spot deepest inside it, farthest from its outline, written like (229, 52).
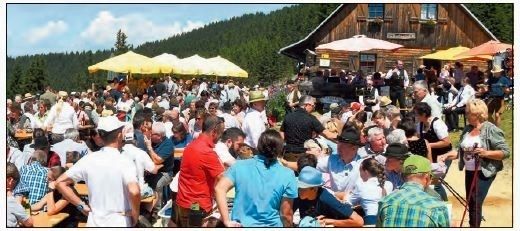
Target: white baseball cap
(109, 123)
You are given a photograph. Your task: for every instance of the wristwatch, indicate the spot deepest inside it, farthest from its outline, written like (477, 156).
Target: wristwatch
(81, 206)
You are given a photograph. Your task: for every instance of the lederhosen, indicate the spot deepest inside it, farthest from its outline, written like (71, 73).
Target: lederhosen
(369, 95)
(431, 137)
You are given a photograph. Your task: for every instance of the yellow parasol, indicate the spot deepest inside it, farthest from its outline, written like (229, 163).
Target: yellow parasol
(452, 55)
(224, 67)
(133, 63)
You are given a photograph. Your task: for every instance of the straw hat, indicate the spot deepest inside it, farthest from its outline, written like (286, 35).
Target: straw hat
(384, 101)
(496, 69)
(255, 96)
(62, 94)
(27, 96)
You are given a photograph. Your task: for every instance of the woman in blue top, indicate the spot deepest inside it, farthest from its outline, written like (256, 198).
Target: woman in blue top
(264, 189)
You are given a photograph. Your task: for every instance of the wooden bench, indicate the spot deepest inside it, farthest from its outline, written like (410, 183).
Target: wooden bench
(81, 189)
(46, 221)
(82, 225)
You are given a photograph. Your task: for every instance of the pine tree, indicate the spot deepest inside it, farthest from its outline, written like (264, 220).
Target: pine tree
(35, 78)
(120, 45)
(14, 84)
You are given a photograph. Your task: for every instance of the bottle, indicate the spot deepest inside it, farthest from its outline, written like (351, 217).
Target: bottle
(26, 206)
(195, 217)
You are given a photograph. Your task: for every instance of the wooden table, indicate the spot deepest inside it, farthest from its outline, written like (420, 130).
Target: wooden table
(178, 153)
(81, 189)
(23, 135)
(44, 220)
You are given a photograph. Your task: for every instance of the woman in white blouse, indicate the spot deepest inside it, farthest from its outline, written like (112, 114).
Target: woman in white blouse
(61, 117)
(373, 188)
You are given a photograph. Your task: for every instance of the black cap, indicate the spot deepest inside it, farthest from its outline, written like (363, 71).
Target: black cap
(350, 135)
(397, 150)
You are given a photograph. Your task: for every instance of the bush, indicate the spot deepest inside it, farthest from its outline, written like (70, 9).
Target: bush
(276, 106)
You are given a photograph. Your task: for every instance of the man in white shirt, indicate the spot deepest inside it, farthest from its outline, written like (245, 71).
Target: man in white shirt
(164, 102)
(17, 157)
(398, 82)
(113, 188)
(458, 105)
(228, 145)
(70, 143)
(421, 94)
(254, 122)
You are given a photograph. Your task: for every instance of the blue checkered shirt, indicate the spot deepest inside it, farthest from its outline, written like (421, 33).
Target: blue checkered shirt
(33, 178)
(411, 206)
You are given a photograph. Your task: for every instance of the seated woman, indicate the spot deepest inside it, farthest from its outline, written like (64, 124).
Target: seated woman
(317, 202)
(55, 203)
(181, 138)
(369, 192)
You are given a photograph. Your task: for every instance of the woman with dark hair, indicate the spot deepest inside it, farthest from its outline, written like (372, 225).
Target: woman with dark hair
(180, 137)
(369, 192)
(54, 203)
(416, 145)
(264, 188)
(435, 131)
(239, 110)
(94, 141)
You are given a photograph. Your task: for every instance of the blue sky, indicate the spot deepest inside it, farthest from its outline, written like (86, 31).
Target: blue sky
(44, 28)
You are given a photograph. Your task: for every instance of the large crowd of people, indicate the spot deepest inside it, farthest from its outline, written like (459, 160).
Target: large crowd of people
(211, 148)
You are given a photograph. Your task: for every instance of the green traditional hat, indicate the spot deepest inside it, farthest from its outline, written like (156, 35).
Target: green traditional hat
(416, 164)
(255, 96)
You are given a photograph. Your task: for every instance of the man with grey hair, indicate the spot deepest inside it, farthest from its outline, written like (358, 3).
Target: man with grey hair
(70, 143)
(397, 136)
(421, 94)
(299, 126)
(375, 146)
(160, 149)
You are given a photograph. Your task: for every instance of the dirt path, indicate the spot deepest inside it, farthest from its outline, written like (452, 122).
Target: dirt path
(498, 205)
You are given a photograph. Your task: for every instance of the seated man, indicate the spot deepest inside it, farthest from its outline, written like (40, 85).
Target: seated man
(318, 202)
(16, 214)
(34, 177)
(458, 105)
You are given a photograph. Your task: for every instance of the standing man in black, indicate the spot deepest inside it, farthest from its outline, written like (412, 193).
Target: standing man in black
(160, 88)
(300, 126)
(398, 81)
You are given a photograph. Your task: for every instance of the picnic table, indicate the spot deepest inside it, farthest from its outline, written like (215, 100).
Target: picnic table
(23, 135)
(43, 220)
(82, 190)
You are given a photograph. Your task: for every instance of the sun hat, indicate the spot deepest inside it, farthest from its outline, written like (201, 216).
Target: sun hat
(384, 101)
(62, 94)
(496, 69)
(255, 96)
(416, 164)
(109, 123)
(396, 150)
(27, 96)
(310, 177)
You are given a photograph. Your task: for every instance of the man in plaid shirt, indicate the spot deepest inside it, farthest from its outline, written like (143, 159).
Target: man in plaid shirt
(33, 178)
(411, 206)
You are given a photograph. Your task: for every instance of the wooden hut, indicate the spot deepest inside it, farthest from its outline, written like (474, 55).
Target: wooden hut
(421, 28)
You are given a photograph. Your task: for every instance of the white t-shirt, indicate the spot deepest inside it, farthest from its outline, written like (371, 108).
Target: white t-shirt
(229, 121)
(467, 145)
(66, 119)
(141, 159)
(368, 194)
(17, 157)
(69, 145)
(223, 154)
(107, 174)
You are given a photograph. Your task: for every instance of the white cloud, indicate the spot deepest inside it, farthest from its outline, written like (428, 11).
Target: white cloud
(51, 28)
(139, 29)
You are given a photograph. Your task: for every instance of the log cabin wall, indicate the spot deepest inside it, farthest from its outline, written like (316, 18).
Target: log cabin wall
(453, 27)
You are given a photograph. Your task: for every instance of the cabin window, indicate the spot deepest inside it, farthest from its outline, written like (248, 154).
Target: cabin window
(376, 10)
(367, 63)
(428, 11)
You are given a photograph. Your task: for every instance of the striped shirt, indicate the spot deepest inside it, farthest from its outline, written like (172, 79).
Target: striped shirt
(411, 206)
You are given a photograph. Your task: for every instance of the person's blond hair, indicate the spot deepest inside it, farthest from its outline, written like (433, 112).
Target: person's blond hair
(479, 108)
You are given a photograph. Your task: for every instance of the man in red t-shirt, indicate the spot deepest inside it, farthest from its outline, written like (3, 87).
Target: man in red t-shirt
(200, 167)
